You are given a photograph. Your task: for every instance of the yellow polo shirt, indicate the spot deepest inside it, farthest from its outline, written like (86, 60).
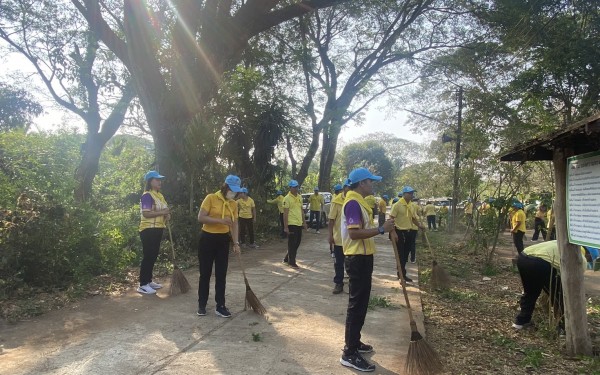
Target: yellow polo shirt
(218, 209)
(403, 214)
(295, 213)
(370, 199)
(519, 216)
(245, 208)
(469, 209)
(335, 214)
(430, 210)
(356, 213)
(548, 251)
(278, 201)
(315, 202)
(382, 206)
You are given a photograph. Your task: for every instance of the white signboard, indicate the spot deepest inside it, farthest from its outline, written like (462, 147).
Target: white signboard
(583, 199)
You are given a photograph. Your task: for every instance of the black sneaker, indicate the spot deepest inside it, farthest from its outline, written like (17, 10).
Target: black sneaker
(285, 261)
(338, 288)
(408, 279)
(356, 361)
(294, 266)
(222, 312)
(365, 348)
(201, 311)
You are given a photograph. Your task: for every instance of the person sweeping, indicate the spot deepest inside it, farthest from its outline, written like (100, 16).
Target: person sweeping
(219, 217)
(518, 226)
(154, 213)
(247, 213)
(357, 232)
(293, 223)
(279, 202)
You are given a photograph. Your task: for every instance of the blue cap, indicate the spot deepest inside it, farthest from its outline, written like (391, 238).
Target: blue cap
(152, 174)
(234, 183)
(517, 205)
(407, 189)
(316, 189)
(360, 174)
(395, 200)
(293, 183)
(244, 190)
(279, 192)
(386, 197)
(337, 187)
(347, 182)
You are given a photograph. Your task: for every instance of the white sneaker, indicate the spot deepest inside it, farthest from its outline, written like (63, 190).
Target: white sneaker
(146, 289)
(318, 231)
(154, 285)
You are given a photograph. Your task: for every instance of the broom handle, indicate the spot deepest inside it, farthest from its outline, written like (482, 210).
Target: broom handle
(239, 258)
(429, 246)
(171, 240)
(402, 281)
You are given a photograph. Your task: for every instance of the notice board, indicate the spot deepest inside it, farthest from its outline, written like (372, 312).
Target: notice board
(583, 199)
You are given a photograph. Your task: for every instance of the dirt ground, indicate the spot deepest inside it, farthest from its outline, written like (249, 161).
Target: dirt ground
(303, 332)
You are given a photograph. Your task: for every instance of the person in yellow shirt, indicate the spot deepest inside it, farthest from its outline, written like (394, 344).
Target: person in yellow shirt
(247, 214)
(443, 216)
(539, 268)
(518, 225)
(293, 222)
(154, 213)
(219, 218)
(383, 209)
(551, 227)
(404, 218)
(430, 214)
(279, 202)
(335, 236)
(315, 205)
(469, 213)
(357, 231)
(540, 225)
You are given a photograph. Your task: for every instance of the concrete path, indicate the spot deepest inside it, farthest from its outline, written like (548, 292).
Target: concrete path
(303, 332)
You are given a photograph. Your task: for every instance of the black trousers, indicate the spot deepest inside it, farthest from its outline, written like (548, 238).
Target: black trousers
(213, 248)
(359, 269)
(413, 244)
(540, 226)
(404, 238)
(338, 264)
(151, 238)
(381, 219)
(317, 215)
(294, 239)
(431, 222)
(518, 240)
(537, 275)
(282, 232)
(246, 226)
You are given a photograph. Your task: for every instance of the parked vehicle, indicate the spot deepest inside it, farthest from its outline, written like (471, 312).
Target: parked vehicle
(327, 197)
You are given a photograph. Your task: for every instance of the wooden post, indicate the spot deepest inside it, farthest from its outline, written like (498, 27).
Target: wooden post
(571, 271)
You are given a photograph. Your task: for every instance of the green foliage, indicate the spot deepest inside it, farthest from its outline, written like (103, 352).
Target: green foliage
(371, 155)
(379, 301)
(533, 358)
(17, 108)
(256, 337)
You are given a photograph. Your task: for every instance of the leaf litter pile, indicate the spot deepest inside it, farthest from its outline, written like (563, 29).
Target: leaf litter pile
(470, 323)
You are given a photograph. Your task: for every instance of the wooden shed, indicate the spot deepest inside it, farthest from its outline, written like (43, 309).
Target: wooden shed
(576, 139)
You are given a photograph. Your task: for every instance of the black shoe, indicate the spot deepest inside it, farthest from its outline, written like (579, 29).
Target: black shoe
(356, 361)
(285, 261)
(294, 266)
(222, 312)
(201, 311)
(338, 288)
(365, 348)
(408, 279)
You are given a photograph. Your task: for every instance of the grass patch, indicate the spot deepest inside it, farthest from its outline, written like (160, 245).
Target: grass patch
(533, 358)
(503, 341)
(379, 301)
(256, 337)
(490, 270)
(459, 295)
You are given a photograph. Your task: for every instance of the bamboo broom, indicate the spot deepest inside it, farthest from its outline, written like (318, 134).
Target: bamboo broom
(439, 277)
(251, 298)
(179, 284)
(421, 359)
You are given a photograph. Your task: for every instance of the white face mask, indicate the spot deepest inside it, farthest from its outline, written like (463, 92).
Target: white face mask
(230, 195)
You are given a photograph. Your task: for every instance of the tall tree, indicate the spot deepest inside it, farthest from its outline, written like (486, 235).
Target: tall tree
(80, 75)
(177, 52)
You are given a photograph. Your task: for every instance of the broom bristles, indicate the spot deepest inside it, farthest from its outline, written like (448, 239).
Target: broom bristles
(439, 277)
(254, 302)
(179, 284)
(422, 359)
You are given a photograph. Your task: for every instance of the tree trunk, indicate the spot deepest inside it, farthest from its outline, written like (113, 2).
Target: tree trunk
(88, 167)
(578, 337)
(310, 155)
(330, 139)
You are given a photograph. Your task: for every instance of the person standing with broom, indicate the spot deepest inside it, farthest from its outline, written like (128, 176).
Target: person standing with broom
(219, 217)
(293, 222)
(154, 215)
(357, 232)
(279, 202)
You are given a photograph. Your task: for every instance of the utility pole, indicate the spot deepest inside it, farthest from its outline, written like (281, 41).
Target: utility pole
(457, 160)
